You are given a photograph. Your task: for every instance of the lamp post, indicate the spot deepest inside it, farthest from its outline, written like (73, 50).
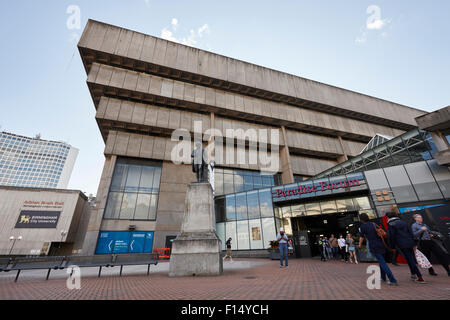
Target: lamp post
(14, 239)
(63, 233)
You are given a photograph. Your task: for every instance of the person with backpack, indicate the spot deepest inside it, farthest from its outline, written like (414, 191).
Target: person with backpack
(400, 235)
(370, 231)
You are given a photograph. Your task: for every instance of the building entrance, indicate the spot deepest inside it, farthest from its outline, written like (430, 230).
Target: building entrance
(306, 229)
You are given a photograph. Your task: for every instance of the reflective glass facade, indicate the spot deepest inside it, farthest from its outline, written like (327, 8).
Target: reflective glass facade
(413, 146)
(248, 218)
(228, 181)
(134, 190)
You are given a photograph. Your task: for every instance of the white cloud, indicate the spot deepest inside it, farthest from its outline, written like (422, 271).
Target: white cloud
(147, 3)
(168, 35)
(174, 23)
(374, 22)
(377, 24)
(190, 40)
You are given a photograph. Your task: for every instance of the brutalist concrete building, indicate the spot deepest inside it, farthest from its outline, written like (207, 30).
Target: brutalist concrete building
(143, 88)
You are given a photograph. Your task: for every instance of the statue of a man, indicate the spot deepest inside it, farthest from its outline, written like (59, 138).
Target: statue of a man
(200, 163)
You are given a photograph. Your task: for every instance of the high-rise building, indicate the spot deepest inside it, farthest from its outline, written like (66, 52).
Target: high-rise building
(35, 163)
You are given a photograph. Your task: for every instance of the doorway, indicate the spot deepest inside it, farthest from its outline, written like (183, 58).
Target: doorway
(324, 225)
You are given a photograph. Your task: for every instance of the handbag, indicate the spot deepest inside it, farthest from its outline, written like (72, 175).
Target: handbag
(422, 261)
(383, 235)
(380, 232)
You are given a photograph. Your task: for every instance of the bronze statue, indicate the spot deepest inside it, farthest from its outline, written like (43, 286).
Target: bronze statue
(200, 163)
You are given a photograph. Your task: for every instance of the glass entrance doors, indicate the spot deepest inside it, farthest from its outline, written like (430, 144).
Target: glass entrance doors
(322, 226)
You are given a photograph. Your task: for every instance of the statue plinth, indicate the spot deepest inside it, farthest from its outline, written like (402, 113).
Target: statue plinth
(197, 250)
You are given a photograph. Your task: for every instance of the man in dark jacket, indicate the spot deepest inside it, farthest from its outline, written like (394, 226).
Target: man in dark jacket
(401, 236)
(368, 230)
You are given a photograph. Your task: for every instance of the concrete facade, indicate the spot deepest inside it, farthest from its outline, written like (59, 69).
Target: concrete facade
(143, 88)
(438, 124)
(74, 218)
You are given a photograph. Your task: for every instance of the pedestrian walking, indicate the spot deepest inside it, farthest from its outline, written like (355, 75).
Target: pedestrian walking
(401, 236)
(334, 246)
(283, 239)
(351, 248)
(428, 244)
(368, 231)
(228, 255)
(341, 243)
(327, 248)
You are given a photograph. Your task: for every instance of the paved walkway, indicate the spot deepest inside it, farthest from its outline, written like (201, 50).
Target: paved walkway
(244, 279)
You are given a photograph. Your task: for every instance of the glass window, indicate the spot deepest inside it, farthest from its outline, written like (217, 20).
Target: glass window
(344, 205)
(241, 206)
(119, 178)
(400, 184)
(442, 176)
(257, 182)
(312, 208)
(156, 179)
(243, 235)
(113, 205)
(153, 207)
(134, 174)
(423, 181)
(328, 207)
(265, 200)
(128, 205)
(253, 205)
(228, 186)
(298, 210)
(230, 208)
(142, 206)
(362, 203)
(286, 211)
(248, 183)
(255, 230)
(220, 210)
(136, 180)
(238, 183)
(146, 181)
(220, 229)
(268, 230)
(218, 182)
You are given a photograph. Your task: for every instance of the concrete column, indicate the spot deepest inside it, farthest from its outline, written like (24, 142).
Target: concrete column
(287, 174)
(96, 218)
(344, 156)
(439, 141)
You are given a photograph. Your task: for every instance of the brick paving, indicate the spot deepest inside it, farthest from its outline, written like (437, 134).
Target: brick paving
(256, 279)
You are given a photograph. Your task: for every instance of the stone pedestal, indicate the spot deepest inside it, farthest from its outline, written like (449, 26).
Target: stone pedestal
(197, 250)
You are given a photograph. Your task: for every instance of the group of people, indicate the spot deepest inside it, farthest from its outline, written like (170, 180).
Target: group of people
(403, 239)
(332, 248)
(400, 238)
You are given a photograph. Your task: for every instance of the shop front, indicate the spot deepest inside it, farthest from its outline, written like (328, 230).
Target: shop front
(332, 205)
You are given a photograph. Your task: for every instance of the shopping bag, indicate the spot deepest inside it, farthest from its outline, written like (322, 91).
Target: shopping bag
(422, 261)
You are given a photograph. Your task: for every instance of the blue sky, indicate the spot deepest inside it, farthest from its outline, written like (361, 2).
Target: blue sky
(401, 55)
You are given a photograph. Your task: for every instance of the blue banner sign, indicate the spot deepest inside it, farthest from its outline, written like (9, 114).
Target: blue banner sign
(124, 242)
